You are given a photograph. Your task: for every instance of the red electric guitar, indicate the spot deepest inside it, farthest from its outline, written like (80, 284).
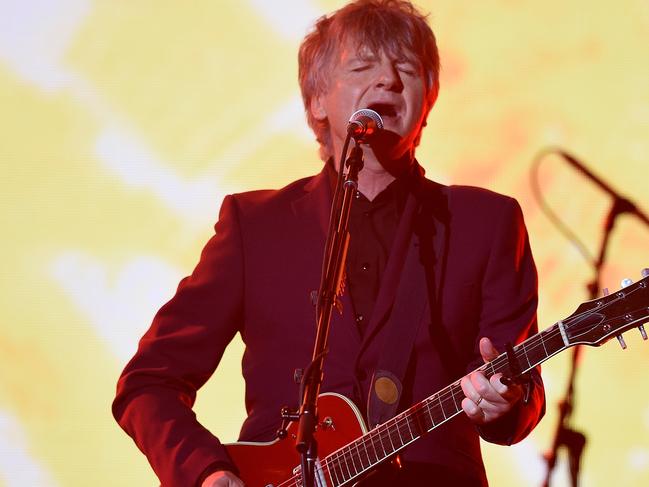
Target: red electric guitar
(348, 451)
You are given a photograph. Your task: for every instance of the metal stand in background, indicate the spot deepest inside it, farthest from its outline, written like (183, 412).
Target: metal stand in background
(575, 441)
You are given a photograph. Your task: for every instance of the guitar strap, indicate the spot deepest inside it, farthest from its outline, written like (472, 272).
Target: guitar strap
(403, 324)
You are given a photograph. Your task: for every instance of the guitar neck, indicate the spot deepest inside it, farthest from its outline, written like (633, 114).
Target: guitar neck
(385, 440)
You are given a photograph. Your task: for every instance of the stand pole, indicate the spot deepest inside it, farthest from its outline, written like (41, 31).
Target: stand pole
(330, 289)
(573, 440)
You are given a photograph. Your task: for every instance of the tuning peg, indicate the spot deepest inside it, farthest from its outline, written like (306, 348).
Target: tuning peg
(645, 272)
(620, 339)
(642, 332)
(626, 282)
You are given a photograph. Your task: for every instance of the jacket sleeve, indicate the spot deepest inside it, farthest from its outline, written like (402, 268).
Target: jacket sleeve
(177, 355)
(508, 314)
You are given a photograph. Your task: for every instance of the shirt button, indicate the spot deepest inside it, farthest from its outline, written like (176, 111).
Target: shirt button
(359, 319)
(365, 266)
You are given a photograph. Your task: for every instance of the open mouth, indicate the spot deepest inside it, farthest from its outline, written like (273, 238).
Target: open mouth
(384, 109)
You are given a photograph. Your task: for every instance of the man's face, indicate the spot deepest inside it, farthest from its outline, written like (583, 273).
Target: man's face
(395, 88)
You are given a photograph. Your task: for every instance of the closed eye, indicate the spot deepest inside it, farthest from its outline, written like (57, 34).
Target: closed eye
(407, 69)
(408, 66)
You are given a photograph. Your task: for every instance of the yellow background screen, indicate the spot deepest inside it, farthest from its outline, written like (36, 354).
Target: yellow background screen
(123, 125)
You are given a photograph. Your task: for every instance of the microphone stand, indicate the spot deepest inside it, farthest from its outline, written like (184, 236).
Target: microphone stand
(327, 299)
(573, 440)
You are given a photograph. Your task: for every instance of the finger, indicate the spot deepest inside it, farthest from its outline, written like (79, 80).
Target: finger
(474, 412)
(483, 387)
(470, 391)
(487, 350)
(510, 393)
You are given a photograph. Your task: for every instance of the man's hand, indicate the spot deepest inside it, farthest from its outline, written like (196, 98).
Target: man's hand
(222, 478)
(487, 399)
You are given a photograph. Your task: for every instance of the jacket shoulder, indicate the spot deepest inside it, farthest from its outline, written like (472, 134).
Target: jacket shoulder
(473, 195)
(261, 196)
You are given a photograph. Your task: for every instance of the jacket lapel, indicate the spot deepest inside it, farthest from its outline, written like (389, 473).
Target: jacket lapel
(401, 245)
(314, 206)
(420, 241)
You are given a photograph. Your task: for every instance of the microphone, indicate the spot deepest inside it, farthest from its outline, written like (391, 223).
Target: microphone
(363, 124)
(623, 205)
(582, 169)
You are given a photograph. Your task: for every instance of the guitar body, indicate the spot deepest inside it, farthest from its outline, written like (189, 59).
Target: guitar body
(261, 464)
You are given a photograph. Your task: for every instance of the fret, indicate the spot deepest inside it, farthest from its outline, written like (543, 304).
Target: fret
(363, 455)
(351, 455)
(542, 337)
(333, 474)
(395, 437)
(435, 415)
(537, 353)
(458, 394)
(326, 474)
(407, 421)
(418, 414)
(396, 427)
(492, 366)
(376, 457)
(553, 340)
(381, 442)
(441, 406)
(390, 438)
(344, 459)
(448, 403)
(452, 389)
(529, 365)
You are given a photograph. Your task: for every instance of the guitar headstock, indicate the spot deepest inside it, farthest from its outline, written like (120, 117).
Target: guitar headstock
(598, 320)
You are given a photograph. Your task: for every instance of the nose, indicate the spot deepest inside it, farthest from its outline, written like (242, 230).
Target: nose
(388, 77)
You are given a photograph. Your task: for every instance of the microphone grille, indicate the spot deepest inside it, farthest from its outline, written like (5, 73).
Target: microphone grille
(366, 112)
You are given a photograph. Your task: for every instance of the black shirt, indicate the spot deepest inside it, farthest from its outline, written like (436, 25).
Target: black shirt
(372, 227)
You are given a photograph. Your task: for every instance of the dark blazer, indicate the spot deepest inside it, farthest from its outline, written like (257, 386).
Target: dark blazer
(255, 276)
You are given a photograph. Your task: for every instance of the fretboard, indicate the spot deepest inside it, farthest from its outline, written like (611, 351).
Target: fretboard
(361, 455)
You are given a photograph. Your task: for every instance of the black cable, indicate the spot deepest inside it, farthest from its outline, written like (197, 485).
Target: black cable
(545, 208)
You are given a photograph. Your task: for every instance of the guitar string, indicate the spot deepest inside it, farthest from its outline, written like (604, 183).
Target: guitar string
(384, 430)
(526, 347)
(402, 424)
(400, 420)
(387, 430)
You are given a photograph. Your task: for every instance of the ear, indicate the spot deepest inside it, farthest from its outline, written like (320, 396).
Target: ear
(432, 97)
(317, 107)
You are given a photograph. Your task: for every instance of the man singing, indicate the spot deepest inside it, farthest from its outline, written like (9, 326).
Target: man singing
(472, 275)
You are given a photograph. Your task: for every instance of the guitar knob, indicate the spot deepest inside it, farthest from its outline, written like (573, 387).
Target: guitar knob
(642, 332)
(645, 272)
(626, 282)
(620, 339)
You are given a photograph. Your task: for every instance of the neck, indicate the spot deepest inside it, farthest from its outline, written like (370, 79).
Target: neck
(372, 181)
(379, 172)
